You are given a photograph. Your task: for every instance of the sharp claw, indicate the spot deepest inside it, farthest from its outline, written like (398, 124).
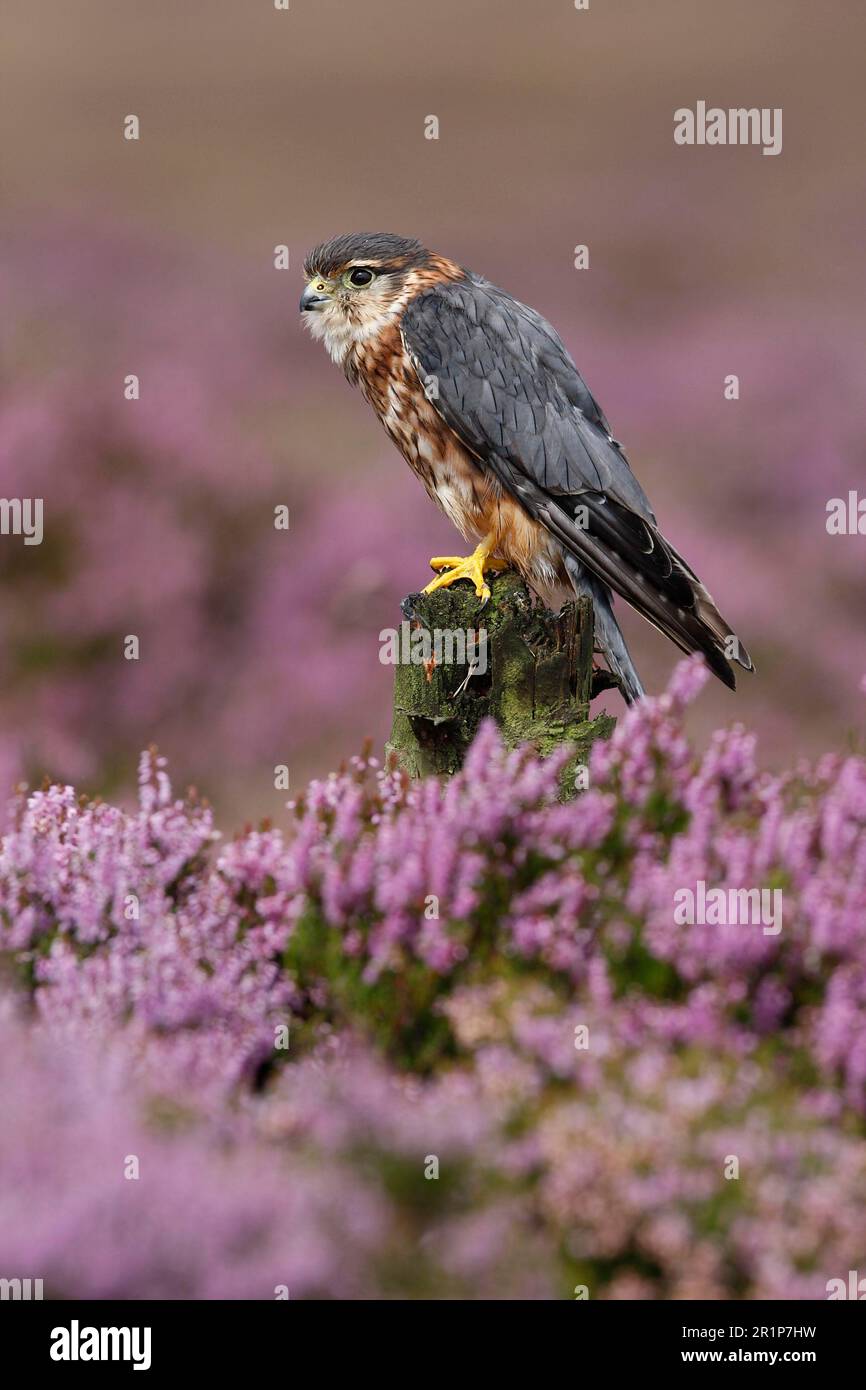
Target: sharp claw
(452, 568)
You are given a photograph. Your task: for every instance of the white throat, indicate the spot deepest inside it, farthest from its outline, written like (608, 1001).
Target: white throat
(341, 331)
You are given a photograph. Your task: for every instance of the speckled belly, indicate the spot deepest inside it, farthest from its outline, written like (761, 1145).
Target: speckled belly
(476, 503)
(468, 493)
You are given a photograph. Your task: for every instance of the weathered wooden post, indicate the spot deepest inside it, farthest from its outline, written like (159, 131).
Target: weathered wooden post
(529, 669)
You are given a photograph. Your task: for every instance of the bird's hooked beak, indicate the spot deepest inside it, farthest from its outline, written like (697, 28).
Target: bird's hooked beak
(315, 295)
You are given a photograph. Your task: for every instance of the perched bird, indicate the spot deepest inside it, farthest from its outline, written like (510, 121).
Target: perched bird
(482, 399)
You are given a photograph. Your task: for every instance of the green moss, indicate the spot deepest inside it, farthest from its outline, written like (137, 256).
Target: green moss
(537, 683)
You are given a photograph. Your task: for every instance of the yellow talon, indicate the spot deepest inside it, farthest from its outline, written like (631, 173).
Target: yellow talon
(470, 567)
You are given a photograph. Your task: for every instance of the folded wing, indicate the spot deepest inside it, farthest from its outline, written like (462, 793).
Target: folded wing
(507, 387)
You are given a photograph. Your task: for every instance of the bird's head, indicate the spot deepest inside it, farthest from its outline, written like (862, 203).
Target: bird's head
(356, 283)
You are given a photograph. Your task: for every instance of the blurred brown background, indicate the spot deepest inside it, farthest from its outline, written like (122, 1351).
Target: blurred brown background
(261, 125)
(556, 128)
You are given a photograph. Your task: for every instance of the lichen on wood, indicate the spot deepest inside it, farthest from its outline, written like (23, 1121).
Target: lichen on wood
(533, 674)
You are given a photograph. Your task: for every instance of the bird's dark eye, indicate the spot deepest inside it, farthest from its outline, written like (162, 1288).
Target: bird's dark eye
(359, 277)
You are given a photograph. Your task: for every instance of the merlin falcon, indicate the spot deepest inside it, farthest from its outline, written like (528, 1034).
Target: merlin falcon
(483, 401)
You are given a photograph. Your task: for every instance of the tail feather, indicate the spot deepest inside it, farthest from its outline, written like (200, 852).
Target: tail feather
(607, 631)
(712, 619)
(698, 627)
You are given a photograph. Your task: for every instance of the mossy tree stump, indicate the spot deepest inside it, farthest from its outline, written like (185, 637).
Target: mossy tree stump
(529, 669)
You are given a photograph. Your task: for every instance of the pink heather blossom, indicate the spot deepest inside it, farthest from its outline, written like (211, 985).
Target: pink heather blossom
(442, 1039)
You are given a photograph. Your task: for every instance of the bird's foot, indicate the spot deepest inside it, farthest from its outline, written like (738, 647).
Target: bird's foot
(471, 567)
